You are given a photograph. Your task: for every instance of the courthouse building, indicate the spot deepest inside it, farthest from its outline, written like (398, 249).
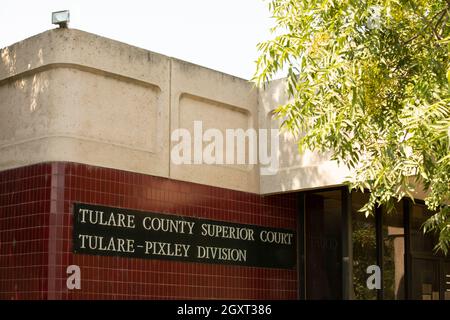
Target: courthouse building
(93, 205)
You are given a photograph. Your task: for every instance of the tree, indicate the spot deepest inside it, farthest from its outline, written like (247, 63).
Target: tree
(369, 81)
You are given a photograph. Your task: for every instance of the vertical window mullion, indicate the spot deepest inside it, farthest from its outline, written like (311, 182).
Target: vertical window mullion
(301, 243)
(347, 247)
(407, 232)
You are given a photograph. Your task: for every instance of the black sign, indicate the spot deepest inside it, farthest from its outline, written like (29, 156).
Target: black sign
(100, 230)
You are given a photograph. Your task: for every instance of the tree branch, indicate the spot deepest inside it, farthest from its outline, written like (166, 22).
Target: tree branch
(428, 23)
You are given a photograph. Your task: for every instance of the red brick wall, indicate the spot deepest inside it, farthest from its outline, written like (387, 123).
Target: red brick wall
(38, 212)
(25, 195)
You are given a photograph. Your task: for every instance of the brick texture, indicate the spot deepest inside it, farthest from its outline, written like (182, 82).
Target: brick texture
(36, 205)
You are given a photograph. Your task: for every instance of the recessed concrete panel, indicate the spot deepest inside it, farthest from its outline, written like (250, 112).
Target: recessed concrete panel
(109, 110)
(67, 95)
(220, 102)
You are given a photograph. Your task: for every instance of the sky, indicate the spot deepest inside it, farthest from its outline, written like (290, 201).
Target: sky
(218, 34)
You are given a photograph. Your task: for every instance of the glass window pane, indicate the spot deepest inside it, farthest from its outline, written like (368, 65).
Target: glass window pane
(364, 247)
(420, 242)
(425, 279)
(394, 251)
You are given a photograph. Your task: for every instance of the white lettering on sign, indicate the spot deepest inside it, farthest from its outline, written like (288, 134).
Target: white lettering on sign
(167, 225)
(219, 231)
(216, 253)
(137, 234)
(111, 219)
(101, 244)
(276, 237)
(166, 249)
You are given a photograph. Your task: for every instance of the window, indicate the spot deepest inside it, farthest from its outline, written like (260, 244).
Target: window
(380, 239)
(364, 247)
(421, 243)
(394, 253)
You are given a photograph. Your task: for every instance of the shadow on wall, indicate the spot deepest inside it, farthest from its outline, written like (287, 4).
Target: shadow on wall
(296, 170)
(30, 86)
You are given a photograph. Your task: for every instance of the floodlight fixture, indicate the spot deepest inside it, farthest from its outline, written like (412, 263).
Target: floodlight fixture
(61, 18)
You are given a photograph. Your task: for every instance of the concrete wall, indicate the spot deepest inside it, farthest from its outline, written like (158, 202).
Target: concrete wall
(67, 95)
(296, 171)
